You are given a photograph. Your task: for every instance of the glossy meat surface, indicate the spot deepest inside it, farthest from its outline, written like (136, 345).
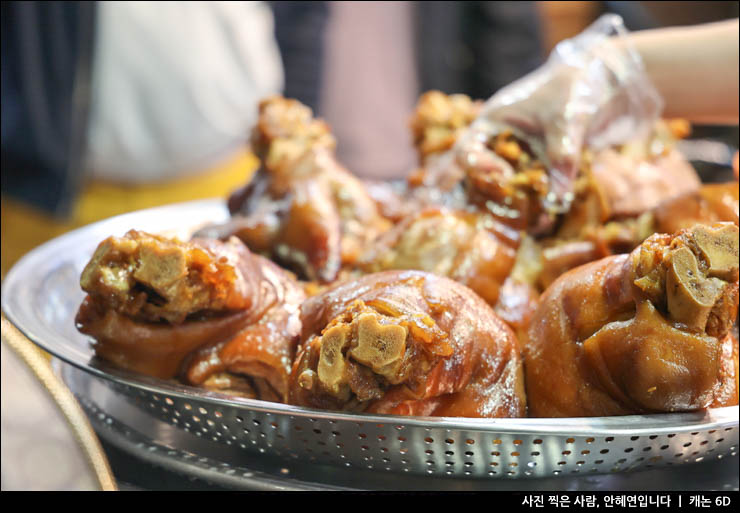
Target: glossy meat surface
(153, 301)
(468, 247)
(636, 333)
(409, 343)
(302, 209)
(709, 204)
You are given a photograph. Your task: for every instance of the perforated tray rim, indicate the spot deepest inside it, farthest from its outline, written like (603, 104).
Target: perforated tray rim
(41, 293)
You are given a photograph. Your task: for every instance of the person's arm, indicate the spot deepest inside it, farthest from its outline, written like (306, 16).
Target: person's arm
(695, 69)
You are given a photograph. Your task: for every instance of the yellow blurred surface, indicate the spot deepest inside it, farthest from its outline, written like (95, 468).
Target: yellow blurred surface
(24, 227)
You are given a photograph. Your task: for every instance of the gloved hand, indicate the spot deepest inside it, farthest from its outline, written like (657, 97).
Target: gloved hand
(592, 92)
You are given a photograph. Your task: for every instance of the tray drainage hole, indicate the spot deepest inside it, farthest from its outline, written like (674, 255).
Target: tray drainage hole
(538, 441)
(334, 433)
(470, 454)
(664, 447)
(317, 431)
(493, 464)
(203, 411)
(210, 423)
(720, 440)
(561, 463)
(633, 438)
(401, 439)
(517, 442)
(535, 453)
(585, 452)
(570, 440)
(598, 462)
(449, 453)
(629, 449)
(365, 448)
(239, 419)
(362, 436)
(671, 435)
(687, 444)
(196, 418)
(381, 437)
(429, 440)
(609, 439)
(604, 451)
(514, 464)
(532, 464)
(590, 440)
(468, 463)
(187, 406)
(646, 449)
(403, 450)
(429, 452)
(256, 422)
(579, 463)
(169, 401)
(491, 472)
(705, 442)
(515, 454)
(495, 453)
(497, 442)
(430, 463)
(449, 441)
(470, 441)
(566, 453)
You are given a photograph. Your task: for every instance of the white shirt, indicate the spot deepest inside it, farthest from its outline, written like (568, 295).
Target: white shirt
(175, 85)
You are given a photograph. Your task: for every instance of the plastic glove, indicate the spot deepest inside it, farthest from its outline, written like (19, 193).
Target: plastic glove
(592, 92)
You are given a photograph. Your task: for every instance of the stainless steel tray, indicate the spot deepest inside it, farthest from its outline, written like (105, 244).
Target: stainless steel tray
(41, 294)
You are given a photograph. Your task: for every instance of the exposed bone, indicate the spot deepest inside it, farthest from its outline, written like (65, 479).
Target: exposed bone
(160, 266)
(380, 347)
(719, 247)
(331, 367)
(307, 379)
(690, 295)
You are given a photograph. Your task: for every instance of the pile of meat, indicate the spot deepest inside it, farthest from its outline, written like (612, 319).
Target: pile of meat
(456, 293)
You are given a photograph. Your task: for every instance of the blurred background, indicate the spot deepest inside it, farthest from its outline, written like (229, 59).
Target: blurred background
(109, 107)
